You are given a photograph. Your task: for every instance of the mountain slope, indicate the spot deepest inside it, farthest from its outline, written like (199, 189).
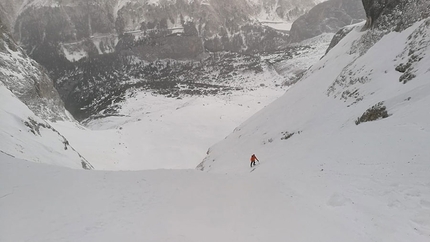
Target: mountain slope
(96, 51)
(326, 17)
(28, 100)
(28, 80)
(82, 28)
(333, 165)
(351, 135)
(48, 203)
(25, 136)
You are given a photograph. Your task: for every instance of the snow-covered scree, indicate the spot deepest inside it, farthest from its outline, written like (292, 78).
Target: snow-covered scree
(374, 177)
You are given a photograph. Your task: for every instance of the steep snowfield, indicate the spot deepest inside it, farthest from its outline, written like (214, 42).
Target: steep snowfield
(47, 203)
(294, 67)
(26, 136)
(154, 132)
(375, 176)
(321, 177)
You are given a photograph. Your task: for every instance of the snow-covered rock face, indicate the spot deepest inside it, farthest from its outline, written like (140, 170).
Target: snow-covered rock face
(283, 9)
(361, 79)
(28, 100)
(9, 10)
(29, 81)
(25, 136)
(95, 50)
(394, 15)
(384, 19)
(352, 135)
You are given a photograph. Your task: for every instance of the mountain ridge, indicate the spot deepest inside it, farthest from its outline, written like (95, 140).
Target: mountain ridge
(28, 102)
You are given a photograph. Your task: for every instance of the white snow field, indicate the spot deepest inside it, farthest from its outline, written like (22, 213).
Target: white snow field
(155, 132)
(332, 180)
(47, 203)
(373, 179)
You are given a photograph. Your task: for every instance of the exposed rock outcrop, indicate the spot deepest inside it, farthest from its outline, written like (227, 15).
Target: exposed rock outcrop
(386, 18)
(394, 15)
(28, 100)
(9, 10)
(29, 81)
(26, 136)
(339, 36)
(326, 17)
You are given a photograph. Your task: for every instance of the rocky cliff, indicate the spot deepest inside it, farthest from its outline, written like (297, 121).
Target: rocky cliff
(394, 15)
(9, 10)
(326, 17)
(174, 29)
(28, 80)
(385, 17)
(96, 50)
(28, 101)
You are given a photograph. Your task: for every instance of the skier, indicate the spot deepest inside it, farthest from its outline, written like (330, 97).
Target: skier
(253, 158)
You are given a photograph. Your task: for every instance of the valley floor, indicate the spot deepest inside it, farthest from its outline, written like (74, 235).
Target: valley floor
(171, 133)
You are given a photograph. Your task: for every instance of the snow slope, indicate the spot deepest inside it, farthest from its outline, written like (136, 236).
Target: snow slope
(47, 203)
(154, 132)
(321, 176)
(26, 136)
(375, 175)
(332, 180)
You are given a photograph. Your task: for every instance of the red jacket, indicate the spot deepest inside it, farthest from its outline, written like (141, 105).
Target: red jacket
(253, 158)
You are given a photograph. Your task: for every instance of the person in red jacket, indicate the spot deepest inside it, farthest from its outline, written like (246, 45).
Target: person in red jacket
(253, 158)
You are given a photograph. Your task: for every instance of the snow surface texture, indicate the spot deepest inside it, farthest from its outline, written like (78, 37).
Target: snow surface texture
(375, 176)
(47, 203)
